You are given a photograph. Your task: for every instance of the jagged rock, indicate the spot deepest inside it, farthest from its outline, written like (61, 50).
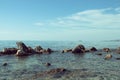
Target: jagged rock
(79, 49)
(9, 51)
(38, 48)
(106, 49)
(66, 50)
(93, 49)
(108, 56)
(22, 47)
(21, 53)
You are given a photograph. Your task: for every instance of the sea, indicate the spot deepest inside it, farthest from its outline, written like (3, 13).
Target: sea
(94, 67)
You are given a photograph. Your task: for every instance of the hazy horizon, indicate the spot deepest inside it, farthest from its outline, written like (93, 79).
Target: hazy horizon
(56, 20)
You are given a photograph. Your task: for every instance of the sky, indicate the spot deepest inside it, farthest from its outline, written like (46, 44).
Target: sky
(59, 20)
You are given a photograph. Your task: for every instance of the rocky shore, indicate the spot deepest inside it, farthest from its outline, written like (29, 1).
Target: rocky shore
(23, 50)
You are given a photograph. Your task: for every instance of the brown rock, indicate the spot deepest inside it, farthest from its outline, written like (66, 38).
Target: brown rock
(108, 56)
(38, 48)
(93, 49)
(79, 49)
(9, 51)
(47, 64)
(106, 49)
(66, 50)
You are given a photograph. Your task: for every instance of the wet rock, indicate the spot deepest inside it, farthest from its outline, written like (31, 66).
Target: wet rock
(79, 49)
(57, 70)
(31, 50)
(106, 49)
(21, 53)
(87, 50)
(93, 49)
(49, 50)
(5, 64)
(117, 58)
(118, 50)
(99, 54)
(9, 51)
(22, 47)
(66, 50)
(43, 51)
(108, 56)
(38, 48)
(47, 64)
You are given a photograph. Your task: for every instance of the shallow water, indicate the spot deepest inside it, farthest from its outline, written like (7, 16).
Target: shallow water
(96, 68)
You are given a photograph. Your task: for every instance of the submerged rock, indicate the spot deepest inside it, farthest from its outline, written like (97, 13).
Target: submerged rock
(47, 64)
(5, 64)
(79, 49)
(108, 56)
(93, 49)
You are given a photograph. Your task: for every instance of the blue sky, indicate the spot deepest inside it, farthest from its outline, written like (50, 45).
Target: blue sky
(59, 19)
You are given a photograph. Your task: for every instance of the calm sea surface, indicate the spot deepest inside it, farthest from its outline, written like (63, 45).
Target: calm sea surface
(19, 68)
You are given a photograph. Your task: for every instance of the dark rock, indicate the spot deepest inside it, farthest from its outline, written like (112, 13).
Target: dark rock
(66, 50)
(79, 49)
(87, 50)
(22, 47)
(106, 49)
(5, 64)
(21, 53)
(49, 50)
(31, 50)
(117, 58)
(9, 50)
(47, 64)
(99, 54)
(38, 48)
(93, 49)
(108, 56)
(57, 70)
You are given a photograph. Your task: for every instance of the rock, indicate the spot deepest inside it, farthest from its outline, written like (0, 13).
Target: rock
(117, 58)
(47, 64)
(55, 71)
(9, 51)
(49, 50)
(21, 53)
(106, 49)
(79, 49)
(93, 49)
(31, 50)
(108, 56)
(87, 50)
(5, 64)
(22, 47)
(66, 50)
(43, 51)
(38, 48)
(118, 50)
(99, 54)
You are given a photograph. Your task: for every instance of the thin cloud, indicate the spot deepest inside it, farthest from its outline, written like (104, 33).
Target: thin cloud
(108, 18)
